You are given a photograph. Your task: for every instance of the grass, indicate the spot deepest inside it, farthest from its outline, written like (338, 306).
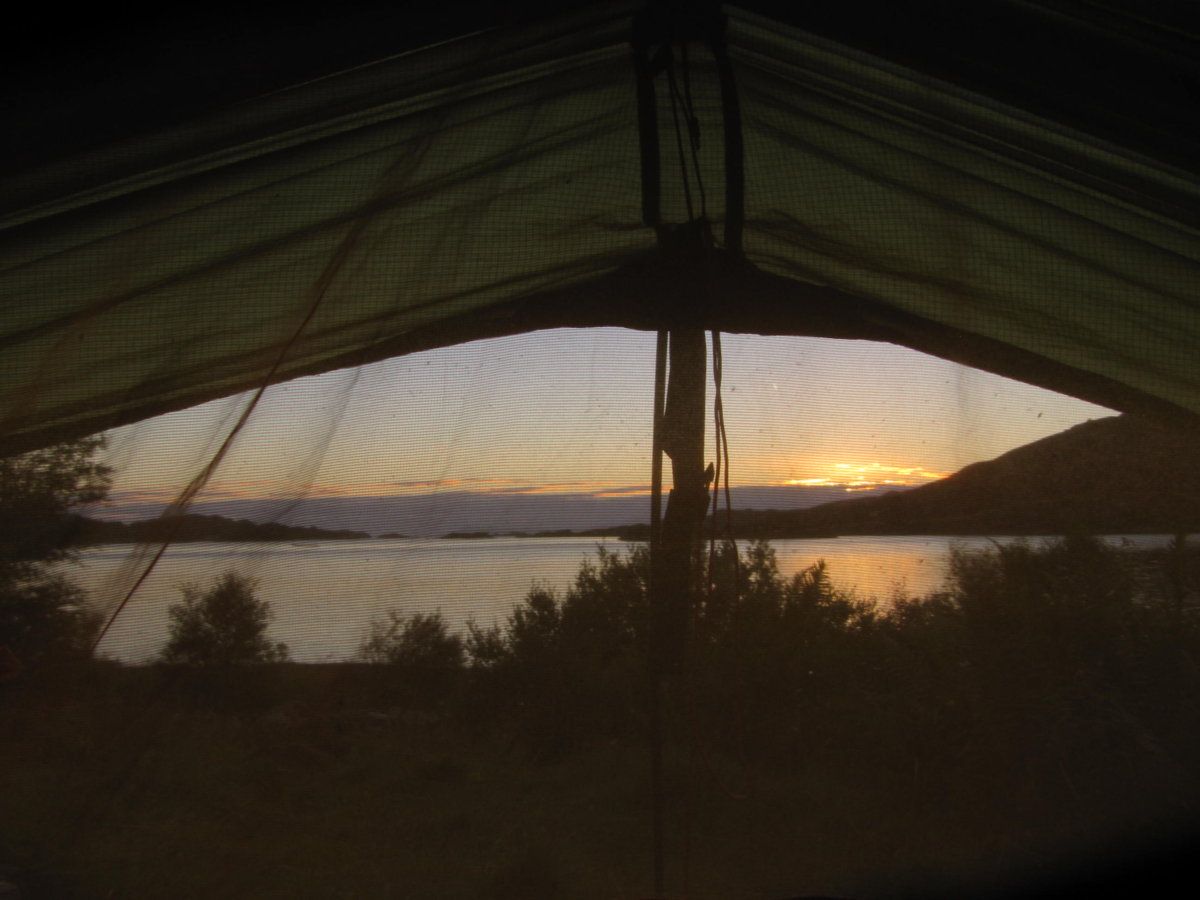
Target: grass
(309, 781)
(300, 786)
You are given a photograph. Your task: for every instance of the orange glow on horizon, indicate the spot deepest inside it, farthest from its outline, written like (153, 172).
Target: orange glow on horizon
(849, 477)
(863, 477)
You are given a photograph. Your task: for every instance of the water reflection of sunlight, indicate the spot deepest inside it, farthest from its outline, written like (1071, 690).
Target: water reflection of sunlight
(873, 566)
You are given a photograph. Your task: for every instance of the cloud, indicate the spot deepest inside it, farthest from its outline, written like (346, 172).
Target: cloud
(151, 500)
(432, 514)
(481, 486)
(140, 495)
(632, 491)
(880, 469)
(859, 477)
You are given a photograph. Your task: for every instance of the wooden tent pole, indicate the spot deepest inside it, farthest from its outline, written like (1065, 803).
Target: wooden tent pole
(675, 538)
(673, 575)
(679, 418)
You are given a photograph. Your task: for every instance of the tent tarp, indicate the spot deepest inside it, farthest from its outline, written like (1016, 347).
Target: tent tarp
(477, 187)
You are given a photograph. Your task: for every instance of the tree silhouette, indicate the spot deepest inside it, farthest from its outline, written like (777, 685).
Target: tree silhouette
(223, 625)
(42, 613)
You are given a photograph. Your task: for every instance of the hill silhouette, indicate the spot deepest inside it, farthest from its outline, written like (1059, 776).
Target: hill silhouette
(1117, 475)
(190, 528)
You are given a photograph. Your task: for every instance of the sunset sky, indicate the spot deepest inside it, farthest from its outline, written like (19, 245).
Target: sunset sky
(568, 412)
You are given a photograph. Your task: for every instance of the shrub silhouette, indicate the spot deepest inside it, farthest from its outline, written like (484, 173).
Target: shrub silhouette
(575, 666)
(223, 625)
(421, 642)
(1052, 667)
(566, 667)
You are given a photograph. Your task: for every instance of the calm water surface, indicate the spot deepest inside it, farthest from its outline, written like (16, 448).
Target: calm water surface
(324, 594)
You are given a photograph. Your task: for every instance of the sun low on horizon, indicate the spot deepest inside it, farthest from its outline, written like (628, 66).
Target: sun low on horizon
(569, 412)
(871, 475)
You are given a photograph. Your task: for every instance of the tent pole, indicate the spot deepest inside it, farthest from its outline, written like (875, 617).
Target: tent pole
(678, 393)
(675, 539)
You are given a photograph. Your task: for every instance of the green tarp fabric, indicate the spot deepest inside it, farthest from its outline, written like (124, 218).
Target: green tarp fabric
(421, 200)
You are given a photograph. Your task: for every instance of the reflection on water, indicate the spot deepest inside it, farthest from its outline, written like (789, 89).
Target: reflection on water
(324, 594)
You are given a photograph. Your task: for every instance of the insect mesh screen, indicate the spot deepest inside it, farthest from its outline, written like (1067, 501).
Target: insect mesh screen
(330, 435)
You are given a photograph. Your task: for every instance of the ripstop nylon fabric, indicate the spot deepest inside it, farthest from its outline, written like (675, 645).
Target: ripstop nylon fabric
(410, 203)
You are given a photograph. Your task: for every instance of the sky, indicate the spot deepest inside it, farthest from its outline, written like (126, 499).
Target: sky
(561, 420)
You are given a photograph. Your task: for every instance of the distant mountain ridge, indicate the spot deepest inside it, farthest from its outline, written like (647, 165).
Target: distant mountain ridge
(191, 528)
(1117, 475)
(438, 513)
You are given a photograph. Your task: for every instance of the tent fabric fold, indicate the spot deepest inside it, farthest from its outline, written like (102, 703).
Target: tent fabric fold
(492, 185)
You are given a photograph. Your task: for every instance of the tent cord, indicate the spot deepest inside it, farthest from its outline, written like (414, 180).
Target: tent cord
(683, 100)
(735, 169)
(647, 125)
(654, 668)
(676, 102)
(721, 452)
(173, 514)
(693, 123)
(691, 716)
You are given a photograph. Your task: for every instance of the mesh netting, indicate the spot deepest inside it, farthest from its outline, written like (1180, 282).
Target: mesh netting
(330, 547)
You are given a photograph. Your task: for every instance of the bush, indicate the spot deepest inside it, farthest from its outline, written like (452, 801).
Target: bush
(562, 667)
(225, 625)
(1033, 662)
(420, 642)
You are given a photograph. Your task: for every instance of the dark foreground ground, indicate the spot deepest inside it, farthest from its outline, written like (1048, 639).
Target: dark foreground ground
(335, 781)
(1032, 730)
